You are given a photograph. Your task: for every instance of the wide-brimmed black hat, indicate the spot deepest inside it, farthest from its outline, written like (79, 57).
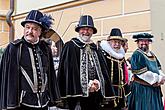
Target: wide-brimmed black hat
(115, 34)
(35, 16)
(143, 36)
(86, 21)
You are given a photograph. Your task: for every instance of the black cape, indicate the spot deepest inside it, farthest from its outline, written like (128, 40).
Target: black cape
(69, 70)
(10, 71)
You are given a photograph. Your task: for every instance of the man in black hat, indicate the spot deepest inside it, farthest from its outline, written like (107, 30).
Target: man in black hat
(82, 75)
(114, 55)
(147, 77)
(27, 76)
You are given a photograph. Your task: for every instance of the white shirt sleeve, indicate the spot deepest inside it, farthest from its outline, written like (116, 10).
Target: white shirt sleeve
(149, 77)
(161, 76)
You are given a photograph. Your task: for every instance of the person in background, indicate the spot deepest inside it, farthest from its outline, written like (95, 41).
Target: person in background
(130, 75)
(114, 55)
(82, 74)
(27, 76)
(55, 57)
(56, 44)
(125, 44)
(127, 61)
(148, 76)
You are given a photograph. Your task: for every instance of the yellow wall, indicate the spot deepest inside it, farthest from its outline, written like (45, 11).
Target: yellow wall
(158, 28)
(4, 29)
(130, 16)
(4, 6)
(26, 5)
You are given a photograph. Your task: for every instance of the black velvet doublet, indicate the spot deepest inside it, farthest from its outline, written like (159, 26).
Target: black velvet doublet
(27, 76)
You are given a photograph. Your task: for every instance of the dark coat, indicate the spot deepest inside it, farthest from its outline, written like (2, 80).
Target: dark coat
(117, 73)
(10, 75)
(69, 70)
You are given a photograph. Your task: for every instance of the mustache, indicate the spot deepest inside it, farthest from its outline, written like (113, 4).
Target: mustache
(29, 35)
(85, 34)
(144, 47)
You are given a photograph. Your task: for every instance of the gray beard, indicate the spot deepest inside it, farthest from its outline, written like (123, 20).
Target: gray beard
(85, 38)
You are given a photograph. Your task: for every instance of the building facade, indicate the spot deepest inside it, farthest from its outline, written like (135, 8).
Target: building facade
(131, 16)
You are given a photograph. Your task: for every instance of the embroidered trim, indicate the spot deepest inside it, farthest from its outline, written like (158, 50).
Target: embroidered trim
(140, 71)
(84, 71)
(112, 71)
(43, 75)
(121, 90)
(116, 60)
(99, 72)
(34, 106)
(34, 69)
(34, 89)
(80, 95)
(77, 44)
(151, 58)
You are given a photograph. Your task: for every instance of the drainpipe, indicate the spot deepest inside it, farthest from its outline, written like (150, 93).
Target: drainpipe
(9, 21)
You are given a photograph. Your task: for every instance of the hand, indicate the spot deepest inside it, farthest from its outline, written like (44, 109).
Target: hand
(162, 81)
(92, 88)
(54, 50)
(156, 84)
(94, 85)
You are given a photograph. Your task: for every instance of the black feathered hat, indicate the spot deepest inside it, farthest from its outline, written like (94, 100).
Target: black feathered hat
(86, 21)
(143, 36)
(35, 16)
(115, 34)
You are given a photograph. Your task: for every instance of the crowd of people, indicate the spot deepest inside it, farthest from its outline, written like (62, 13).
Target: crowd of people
(83, 75)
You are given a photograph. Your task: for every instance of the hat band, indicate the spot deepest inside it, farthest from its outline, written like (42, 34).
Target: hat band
(115, 37)
(149, 39)
(143, 38)
(86, 26)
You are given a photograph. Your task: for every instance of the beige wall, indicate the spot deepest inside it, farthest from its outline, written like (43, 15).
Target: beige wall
(4, 32)
(4, 6)
(158, 29)
(26, 5)
(4, 29)
(131, 16)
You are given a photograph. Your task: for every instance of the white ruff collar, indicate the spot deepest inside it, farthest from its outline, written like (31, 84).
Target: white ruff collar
(118, 55)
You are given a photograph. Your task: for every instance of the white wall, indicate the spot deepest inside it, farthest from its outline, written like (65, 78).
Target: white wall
(158, 29)
(27, 5)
